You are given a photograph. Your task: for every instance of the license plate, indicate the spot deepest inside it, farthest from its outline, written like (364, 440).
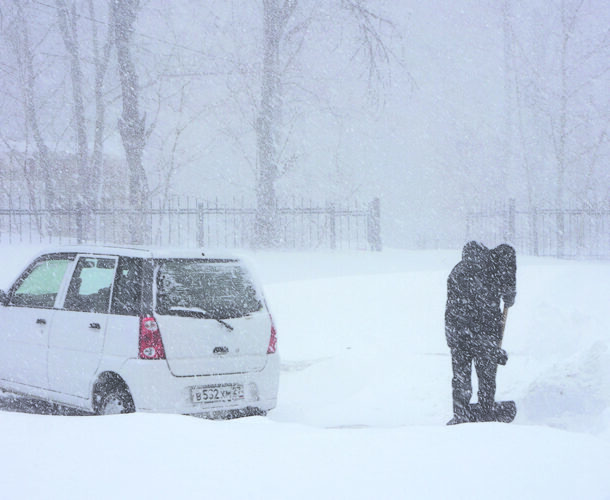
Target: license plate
(217, 393)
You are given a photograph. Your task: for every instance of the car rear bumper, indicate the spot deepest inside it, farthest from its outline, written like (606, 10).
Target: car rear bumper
(155, 389)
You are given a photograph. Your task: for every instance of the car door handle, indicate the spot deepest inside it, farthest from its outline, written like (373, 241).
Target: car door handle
(221, 350)
(95, 326)
(41, 321)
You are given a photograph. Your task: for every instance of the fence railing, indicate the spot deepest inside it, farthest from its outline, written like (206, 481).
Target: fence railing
(193, 223)
(570, 233)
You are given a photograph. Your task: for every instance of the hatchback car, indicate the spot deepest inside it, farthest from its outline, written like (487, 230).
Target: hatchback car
(117, 330)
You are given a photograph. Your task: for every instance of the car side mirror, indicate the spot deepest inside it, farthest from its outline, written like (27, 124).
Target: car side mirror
(3, 298)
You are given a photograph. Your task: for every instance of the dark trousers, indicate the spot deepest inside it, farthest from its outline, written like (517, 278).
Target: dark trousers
(486, 368)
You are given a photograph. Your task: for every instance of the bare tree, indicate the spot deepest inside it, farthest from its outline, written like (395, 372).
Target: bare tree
(67, 18)
(276, 14)
(23, 50)
(46, 170)
(101, 60)
(131, 123)
(280, 27)
(560, 62)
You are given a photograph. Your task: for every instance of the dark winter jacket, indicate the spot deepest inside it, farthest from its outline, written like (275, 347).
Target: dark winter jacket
(472, 315)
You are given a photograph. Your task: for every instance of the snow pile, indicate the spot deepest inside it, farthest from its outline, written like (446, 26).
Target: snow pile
(574, 394)
(364, 396)
(560, 338)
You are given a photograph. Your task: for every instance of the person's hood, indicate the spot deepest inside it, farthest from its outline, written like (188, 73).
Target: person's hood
(474, 254)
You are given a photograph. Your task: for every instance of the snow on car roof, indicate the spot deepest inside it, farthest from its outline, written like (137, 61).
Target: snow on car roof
(140, 251)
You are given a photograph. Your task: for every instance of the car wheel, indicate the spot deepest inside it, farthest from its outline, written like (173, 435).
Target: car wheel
(115, 402)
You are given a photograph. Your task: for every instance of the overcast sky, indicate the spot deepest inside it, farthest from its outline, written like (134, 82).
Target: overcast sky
(466, 112)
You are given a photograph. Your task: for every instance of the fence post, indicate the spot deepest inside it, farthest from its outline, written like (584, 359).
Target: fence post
(200, 225)
(374, 225)
(560, 232)
(534, 236)
(510, 237)
(332, 226)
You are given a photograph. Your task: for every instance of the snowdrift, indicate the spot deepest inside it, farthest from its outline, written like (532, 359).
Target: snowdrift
(364, 396)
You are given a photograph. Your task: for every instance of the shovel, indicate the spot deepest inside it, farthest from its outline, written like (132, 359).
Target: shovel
(501, 355)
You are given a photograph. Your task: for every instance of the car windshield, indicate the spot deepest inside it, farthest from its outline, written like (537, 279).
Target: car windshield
(215, 289)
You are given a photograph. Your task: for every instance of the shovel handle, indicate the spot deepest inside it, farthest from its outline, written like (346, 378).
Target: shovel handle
(504, 316)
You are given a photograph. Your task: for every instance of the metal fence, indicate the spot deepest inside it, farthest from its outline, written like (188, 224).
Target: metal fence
(193, 223)
(569, 233)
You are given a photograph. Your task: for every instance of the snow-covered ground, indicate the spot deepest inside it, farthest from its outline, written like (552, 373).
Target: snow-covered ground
(364, 397)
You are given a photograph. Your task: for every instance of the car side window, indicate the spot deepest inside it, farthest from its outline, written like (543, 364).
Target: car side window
(128, 287)
(40, 284)
(91, 285)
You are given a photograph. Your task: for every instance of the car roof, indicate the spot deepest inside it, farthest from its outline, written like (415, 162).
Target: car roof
(140, 251)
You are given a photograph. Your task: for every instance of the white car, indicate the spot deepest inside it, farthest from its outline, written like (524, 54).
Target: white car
(117, 330)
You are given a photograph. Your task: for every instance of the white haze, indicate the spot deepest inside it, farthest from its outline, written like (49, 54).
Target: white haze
(453, 123)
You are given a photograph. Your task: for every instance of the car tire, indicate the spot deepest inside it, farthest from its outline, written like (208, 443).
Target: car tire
(116, 401)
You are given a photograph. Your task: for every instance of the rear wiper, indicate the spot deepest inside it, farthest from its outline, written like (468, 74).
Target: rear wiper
(196, 312)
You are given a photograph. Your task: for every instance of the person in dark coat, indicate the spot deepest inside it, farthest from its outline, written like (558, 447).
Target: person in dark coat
(474, 324)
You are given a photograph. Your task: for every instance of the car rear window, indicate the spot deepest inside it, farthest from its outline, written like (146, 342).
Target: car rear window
(220, 289)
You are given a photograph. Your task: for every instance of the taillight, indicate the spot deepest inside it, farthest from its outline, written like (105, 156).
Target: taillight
(272, 340)
(151, 345)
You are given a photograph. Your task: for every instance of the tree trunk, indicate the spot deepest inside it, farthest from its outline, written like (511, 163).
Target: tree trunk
(567, 24)
(267, 127)
(131, 124)
(508, 153)
(25, 59)
(101, 65)
(85, 196)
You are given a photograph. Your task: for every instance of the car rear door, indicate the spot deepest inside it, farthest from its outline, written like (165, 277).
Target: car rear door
(26, 319)
(211, 317)
(76, 338)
